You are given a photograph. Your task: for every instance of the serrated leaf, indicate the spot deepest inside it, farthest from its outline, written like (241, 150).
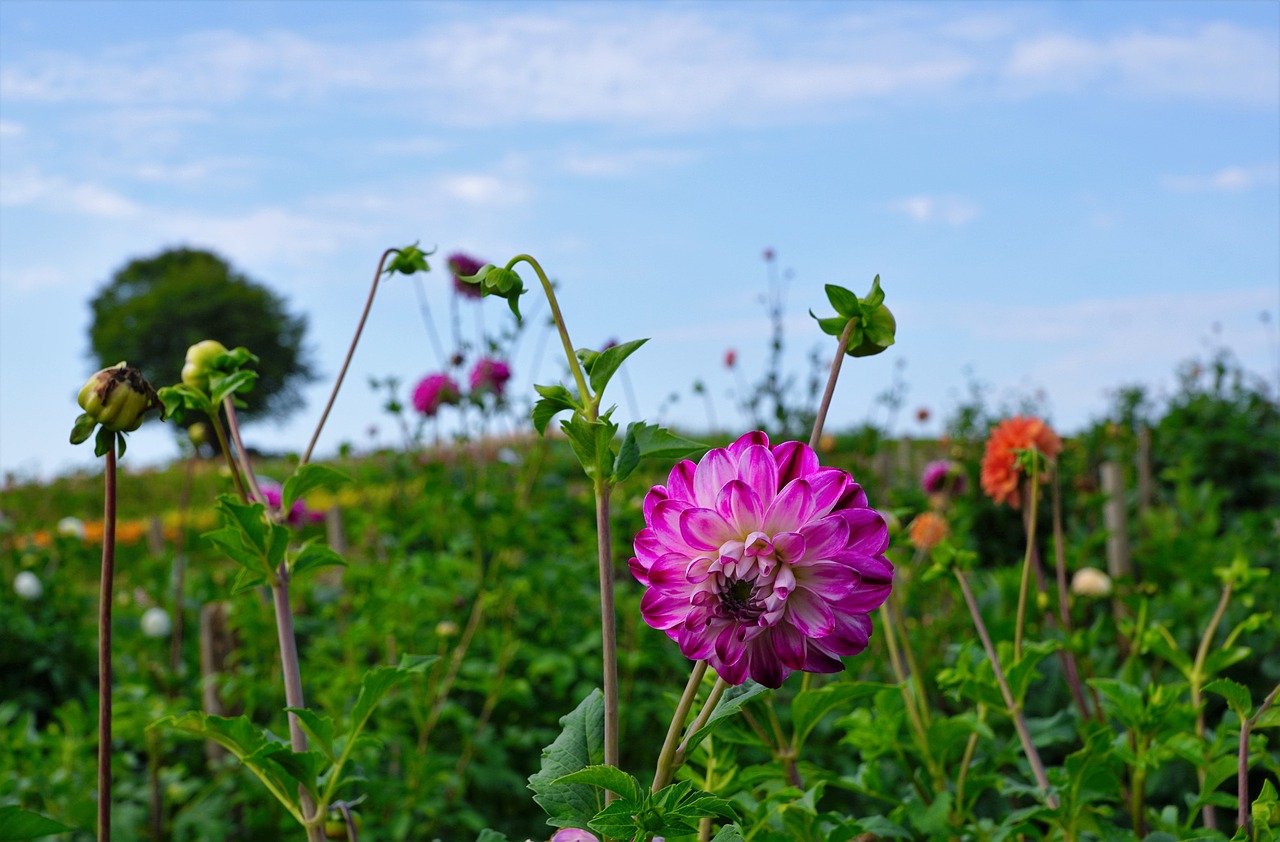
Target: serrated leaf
(1236, 694)
(277, 761)
(661, 443)
(607, 777)
(223, 386)
(1124, 699)
(555, 399)
(730, 703)
(809, 707)
(314, 555)
(375, 684)
(579, 745)
(620, 820)
(845, 302)
(628, 455)
(247, 579)
(308, 478)
(729, 833)
(1022, 673)
(17, 823)
(248, 519)
(319, 728)
(604, 365)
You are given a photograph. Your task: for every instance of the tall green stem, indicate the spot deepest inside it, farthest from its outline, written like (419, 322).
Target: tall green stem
(1033, 492)
(589, 402)
(104, 643)
(1243, 818)
(820, 419)
(663, 774)
(1197, 678)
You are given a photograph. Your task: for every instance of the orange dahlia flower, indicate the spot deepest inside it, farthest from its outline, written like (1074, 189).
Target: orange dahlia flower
(928, 530)
(1001, 477)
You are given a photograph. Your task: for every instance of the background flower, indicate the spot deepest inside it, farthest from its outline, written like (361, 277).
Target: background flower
(461, 265)
(1000, 473)
(489, 376)
(928, 530)
(943, 475)
(433, 392)
(761, 562)
(273, 494)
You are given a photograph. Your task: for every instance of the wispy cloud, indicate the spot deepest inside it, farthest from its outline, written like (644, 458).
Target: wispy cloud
(1227, 180)
(10, 129)
(951, 210)
(624, 163)
(61, 194)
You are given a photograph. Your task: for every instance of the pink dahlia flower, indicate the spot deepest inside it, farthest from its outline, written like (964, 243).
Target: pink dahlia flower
(462, 265)
(490, 375)
(760, 561)
(943, 475)
(298, 512)
(433, 392)
(573, 834)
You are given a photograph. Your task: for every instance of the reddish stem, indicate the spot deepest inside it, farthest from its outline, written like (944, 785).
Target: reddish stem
(104, 646)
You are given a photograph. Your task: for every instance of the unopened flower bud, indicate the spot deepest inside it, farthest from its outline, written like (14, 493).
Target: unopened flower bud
(1090, 581)
(117, 398)
(198, 365)
(155, 622)
(27, 585)
(446, 628)
(198, 433)
(1042, 601)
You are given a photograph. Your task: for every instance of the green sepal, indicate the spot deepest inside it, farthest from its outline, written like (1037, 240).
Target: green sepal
(555, 399)
(500, 281)
(408, 260)
(833, 326)
(104, 441)
(308, 478)
(845, 302)
(82, 429)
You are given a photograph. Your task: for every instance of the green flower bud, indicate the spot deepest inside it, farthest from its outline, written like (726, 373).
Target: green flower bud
(199, 364)
(117, 398)
(877, 334)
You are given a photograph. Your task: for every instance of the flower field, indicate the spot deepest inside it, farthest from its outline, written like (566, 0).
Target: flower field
(1002, 634)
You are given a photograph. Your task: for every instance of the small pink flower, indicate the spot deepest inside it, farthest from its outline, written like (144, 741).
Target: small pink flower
(943, 475)
(461, 265)
(760, 561)
(433, 392)
(730, 358)
(299, 514)
(489, 375)
(573, 834)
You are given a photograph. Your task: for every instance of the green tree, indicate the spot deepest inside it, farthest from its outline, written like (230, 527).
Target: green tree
(154, 308)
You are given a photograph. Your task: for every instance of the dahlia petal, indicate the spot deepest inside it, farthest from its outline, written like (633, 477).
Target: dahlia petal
(714, 470)
(828, 485)
(830, 580)
(740, 505)
(752, 439)
(789, 547)
(665, 523)
(764, 665)
(810, 614)
(647, 546)
(849, 637)
(790, 509)
(757, 468)
(729, 646)
(795, 460)
(661, 610)
(867, 597)
(785, 582)
(824, 538)
(873, 569)
(789, 644)
(868, 532)
(655, 496)
(639, 570)
(734, 673)
(704, 529)
(817, 660)
(669, 574)
(680, 481)
(853, 498)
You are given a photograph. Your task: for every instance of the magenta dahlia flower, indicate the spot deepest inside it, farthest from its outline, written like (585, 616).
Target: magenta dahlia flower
(462, 265)
(489, 375)
(299, 513)
(433, 392)
(943, 475)
(760, 561)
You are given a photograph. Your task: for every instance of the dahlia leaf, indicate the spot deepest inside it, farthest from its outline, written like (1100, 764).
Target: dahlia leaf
(607, 777)
(729, 833)
(376, 683)
(302, 766)
(555, 399)
(874, 296)
(602, 366)
(809, 707)
(833, 326)
(319, 728)
(1236, 694)
(489, 835)
(580, 744)
(591, 443)
(1023, 672)
(628, 455)
(731, 702)
(83, 428)
(246, 580)
(845, 302)
(17, 823)
(222, 386)
(662, 443)
(308, 478)
(313, 555)
(623, 819)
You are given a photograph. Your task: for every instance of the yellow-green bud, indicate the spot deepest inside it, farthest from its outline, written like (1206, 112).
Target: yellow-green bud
(199, 433)
(196, 370)
(118, 398)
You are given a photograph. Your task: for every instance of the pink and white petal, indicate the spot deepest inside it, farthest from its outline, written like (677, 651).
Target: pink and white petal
(670, 574)
(680, 481)
(757, 469)
(810, 614)
(740, 506)
(715, 469)
(829, 580)
(828, 485)
(789, 645)
(789, 547)
(704, 529)
(868, 532)
(790, 509)
(648, 547)
(730, 645)
(661, 610)
(639, 570)
(755, 438)
(824, 538)
(795, 460)
(734, 673)
(665, 523)
(655, 496)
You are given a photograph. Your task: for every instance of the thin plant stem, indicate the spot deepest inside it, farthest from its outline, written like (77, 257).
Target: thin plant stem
(104, 642)
(364, 316)
(589, 402)
(713, 699)
(967, 760)
(821, 417)
(663, 774)
(1015, 710)
(233, 426)
(221, 433)
(180, 575)
(1072, 667)
(1197, 678)
(608, 624)
(293, 691)
(1033, 495)
(1243, 818)
(430, 324)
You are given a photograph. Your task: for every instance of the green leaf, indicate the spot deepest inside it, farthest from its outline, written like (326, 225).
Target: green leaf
(278, 761)
(845, 302)
(730, 703)
(103, 442)
(17, 823)
(308, 478)
(729, 833)
(623, 819)
(1236, 694)
(248, 519)
(602, 366)
(314, 555)
(488, 835)
(319, 728)
(247, 579)
(1022, 673)
(580, 744)
(1124, 699)
(376, 683)
(83, 428)
(661, 443)
(555, 399)
(628, 455)
(809, 707)
(607, 777)
(591, 442)
(408, 260)
(874, 296)
(833, 326)
(223, 386)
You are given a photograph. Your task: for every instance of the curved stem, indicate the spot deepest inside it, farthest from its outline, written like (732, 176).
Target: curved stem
(608, 624)
(588, 401)
(221, 433)
(104, 644)
(293, 691)
(233, 426)
(1197, 678)
(821, 417)
(713, 699)
(364, 316)
(1243, 817)
(1033, 493)
(665, 771)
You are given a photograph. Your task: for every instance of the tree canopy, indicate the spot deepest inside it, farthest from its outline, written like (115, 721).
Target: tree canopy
(154, 308)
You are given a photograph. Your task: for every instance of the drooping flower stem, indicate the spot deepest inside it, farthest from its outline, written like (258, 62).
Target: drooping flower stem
(1033, 493)
(663, 774)
(1243, 819)
(590, 402)
(337, 384)
(104, 641)
(1014, 709)
(821, 417)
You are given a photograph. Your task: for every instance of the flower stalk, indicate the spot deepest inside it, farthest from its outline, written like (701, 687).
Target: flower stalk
(666, 757)
(104, 641)
(1033, 496)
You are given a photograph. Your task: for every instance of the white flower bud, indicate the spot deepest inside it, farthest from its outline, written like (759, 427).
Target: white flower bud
(1091, 582)
(72, 527)
(27, 585)
(155, 622)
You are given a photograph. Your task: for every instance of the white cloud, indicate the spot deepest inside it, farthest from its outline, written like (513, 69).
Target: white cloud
(1228, 180)
(952, 210)
(621, 164)
(10, 129)
(60, 194)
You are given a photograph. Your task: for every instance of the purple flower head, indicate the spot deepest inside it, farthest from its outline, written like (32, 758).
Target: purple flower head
(943, 475)
(433, 392)
(461, 265)
(760, 561)
(273, 494)
(489, 375)
(573, 834)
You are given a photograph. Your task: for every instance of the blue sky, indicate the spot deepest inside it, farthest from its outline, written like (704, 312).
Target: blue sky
(1060, 198)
